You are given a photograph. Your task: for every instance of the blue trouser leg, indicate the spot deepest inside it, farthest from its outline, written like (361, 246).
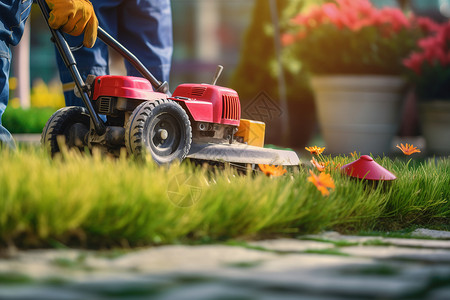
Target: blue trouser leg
(147, 31)
(144, 27)
(13, 15)
(5, 61)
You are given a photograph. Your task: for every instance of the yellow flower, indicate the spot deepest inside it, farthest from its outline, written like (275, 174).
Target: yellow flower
(408, 149)
(323, 182)
(273, 171)
(12, 83)
(315, 150)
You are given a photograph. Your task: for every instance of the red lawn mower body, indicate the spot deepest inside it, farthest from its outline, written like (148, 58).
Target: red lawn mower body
(203, 102)
(125, 87)
(210, 103)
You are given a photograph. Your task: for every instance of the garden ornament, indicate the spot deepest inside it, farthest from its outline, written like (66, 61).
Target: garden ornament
(366, 168)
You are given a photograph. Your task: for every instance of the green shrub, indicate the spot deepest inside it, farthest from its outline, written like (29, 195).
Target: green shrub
(32, 120)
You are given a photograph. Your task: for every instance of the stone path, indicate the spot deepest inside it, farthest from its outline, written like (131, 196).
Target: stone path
(27, 138)
(326, 266)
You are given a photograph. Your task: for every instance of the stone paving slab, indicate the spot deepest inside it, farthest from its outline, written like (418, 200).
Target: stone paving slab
(41, 293)
(417, 243)
(180, 258)
(435, 239)
(440, 294)
(399, 253)
(436, 234)
(358, 268)
(291, 245)
(308, 263)
(27, 138)
(329, 281)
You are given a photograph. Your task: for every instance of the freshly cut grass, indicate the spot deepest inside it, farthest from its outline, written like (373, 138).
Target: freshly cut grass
(90, 201)
(421, 194)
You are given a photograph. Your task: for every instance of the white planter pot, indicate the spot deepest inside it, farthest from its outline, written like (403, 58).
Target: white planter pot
(358, 113)
(435, 120)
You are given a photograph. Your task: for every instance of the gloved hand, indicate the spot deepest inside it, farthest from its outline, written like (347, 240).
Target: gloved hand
(74, 17)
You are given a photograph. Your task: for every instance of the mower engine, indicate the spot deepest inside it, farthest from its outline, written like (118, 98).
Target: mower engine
(214, 111)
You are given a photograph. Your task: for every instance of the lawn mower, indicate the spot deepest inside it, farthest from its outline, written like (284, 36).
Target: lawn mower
(201, 122)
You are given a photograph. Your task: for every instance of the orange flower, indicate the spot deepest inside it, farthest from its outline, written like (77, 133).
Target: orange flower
(270, 170)
(315, 150)
(408, 149)
(354, 154)
(337, 166)
(323, 182)
(318, 165)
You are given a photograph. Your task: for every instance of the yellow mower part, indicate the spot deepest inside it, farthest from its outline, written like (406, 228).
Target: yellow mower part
(253, 132)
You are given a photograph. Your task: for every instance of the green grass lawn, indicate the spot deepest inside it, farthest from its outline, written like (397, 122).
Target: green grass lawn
(89, 201)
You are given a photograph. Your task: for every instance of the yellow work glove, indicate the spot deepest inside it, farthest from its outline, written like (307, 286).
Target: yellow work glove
(74, 17)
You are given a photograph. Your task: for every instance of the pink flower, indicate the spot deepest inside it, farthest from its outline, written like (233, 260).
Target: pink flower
(433, 49)
(331, 11)
(287, 39)
(427, 25)
(385, 35)
(354, 4)
(435, 55)
(361, 24)
(350, 17)
(395, 18)
(316, 17)
(365, 8)
(446, 30)
(427, 43)
(300, 20)
(414, 62)
(290, 38)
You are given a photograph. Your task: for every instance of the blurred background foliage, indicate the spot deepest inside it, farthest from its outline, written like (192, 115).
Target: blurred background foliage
(258, 61)
(32, 120)
(259, 69)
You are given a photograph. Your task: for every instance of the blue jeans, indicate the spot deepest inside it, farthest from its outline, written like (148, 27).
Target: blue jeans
(13, 14)
(142, 26)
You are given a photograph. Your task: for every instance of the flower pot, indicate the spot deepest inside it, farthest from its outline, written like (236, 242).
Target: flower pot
(358, 113)
(435, 121)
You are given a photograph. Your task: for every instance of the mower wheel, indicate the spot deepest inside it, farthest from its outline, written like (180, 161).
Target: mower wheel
(160, 128)
(71, 122)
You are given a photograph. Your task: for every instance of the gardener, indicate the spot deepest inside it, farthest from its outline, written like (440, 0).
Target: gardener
(73, 17)
(143, 26)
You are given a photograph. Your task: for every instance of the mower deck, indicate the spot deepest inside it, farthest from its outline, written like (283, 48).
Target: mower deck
(241, 153)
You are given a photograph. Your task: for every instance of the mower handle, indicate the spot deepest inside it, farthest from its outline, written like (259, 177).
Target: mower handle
(71, 64)
(162, 87)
